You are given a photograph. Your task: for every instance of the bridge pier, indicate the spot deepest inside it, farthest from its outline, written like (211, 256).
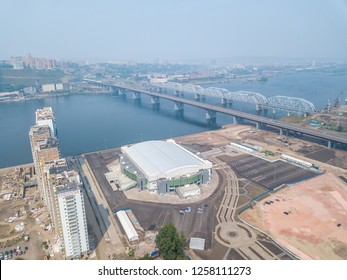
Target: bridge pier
(257, 125)
(223, 101)
(155, 102)
(281, 131)
(288, 113)
(121, 92)
(331, 144)
(230, 102)
(115, 91)
(258, 108)
(197, 96)
(179, 109)
(137, 97)
(234, 120)
(203, 97)
(211, 117)
(176, 93)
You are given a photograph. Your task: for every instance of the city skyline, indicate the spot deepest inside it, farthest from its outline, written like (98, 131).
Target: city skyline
(176, 31)
(188, 130)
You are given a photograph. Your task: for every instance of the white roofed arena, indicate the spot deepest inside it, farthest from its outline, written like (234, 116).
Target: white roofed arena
(163, 166)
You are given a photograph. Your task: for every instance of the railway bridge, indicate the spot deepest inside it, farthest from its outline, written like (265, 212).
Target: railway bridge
(212, 110)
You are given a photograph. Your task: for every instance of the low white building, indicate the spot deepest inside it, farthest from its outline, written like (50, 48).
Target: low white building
(115, 177)
(188, 191)
(127, 225)
(158, 80)
(197, 243)
(59, 86)
(296, 161)
(240, 147)
(48, 87)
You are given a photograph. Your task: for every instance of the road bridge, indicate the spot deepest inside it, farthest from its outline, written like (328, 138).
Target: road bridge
(285, 103)
(211, 111)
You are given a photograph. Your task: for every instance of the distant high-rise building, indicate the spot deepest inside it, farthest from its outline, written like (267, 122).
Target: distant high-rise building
(35, 63)
(17, 62)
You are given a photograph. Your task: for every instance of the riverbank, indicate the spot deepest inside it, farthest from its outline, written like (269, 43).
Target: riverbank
(48, 95)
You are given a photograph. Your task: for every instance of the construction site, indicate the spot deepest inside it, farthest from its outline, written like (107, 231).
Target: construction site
(23, 218)
(270, 197)
(308, 218)
(248, 165)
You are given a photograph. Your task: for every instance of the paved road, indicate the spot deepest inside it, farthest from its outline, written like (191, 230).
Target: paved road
(109, 235)
(239, 238)
(197, 223)
(201, 221)
(259, 119)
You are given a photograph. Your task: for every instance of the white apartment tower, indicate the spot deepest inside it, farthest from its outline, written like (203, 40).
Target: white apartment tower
(45, 116)
(72, 215)
(60, 186)
(44, 145)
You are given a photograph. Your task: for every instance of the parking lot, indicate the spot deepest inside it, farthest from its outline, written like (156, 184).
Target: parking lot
(198, 222)
(14, 253)
(269, 174)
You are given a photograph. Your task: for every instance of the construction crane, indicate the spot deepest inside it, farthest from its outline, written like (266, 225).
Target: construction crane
(338, 100)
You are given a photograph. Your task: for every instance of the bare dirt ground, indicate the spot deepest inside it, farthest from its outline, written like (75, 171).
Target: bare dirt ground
(214, 138)
(27, 211)
(309, 218)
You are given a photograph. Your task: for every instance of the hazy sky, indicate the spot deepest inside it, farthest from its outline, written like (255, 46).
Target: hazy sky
(173, 29)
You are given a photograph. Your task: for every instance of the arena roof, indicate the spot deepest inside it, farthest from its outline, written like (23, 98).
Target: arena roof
(158, 159)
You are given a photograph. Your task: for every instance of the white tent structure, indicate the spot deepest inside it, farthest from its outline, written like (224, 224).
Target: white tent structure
(127, 225)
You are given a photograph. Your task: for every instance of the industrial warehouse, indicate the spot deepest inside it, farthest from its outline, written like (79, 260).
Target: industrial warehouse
(164, 166)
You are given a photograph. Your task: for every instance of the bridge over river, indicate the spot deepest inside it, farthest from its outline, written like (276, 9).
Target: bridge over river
(211, 111)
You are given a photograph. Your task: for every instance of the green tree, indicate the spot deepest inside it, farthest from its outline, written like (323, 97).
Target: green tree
(340, 128)
(170, 243)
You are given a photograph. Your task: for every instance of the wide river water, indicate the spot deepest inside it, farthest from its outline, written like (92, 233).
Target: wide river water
(93, 122)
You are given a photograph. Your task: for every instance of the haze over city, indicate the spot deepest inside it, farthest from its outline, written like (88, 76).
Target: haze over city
(173, 130)
(173, 30)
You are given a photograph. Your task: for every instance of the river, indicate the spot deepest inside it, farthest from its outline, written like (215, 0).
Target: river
(93, 122)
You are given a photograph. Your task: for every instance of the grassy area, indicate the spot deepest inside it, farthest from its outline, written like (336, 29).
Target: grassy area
(333, 127)
(268, 153)
(242, 200)
(11, 80)
(307, 120)
(254, 191)
(294, 119)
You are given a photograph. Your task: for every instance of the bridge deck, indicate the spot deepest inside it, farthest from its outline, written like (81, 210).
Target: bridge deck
(259, 119)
